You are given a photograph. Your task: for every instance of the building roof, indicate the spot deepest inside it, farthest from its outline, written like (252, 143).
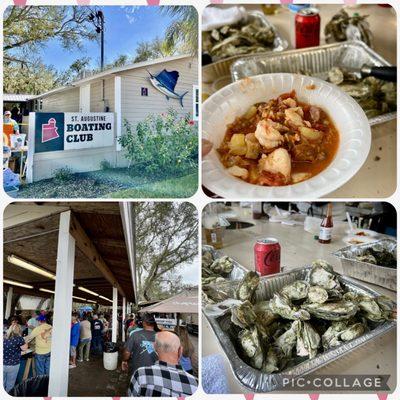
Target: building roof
(186, 302)
(31, 233)
(17, 98)
(113, 71)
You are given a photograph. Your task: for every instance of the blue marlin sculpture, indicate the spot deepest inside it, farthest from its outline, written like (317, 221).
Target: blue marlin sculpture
(165, 82)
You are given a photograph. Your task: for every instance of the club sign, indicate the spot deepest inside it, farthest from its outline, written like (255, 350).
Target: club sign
(88, 130)
(73, 131)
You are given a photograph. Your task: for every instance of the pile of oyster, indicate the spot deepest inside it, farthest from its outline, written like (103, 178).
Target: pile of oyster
(375, 96)
(383, 258)
(244, 37)
(343, 27)
(302, 319)
(214, 271)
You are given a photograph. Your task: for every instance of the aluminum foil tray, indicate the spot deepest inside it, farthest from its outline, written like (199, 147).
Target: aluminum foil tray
(221, 67)
(376, 274)
(238, 271)
(257, 381)
(314, 60)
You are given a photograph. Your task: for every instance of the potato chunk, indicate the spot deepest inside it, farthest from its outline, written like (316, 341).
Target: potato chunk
(239, 172)
(237, 145)
(253, 147)
(310, 134)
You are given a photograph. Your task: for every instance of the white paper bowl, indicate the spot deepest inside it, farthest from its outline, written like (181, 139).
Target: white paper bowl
(232, 101)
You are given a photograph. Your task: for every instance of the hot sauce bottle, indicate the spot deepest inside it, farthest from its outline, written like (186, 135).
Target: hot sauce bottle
(325, 231)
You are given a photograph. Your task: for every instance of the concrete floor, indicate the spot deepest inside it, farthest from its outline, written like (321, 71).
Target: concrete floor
(90, 379)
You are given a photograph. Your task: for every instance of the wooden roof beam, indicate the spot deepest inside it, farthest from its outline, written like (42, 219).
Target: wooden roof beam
(87, 247)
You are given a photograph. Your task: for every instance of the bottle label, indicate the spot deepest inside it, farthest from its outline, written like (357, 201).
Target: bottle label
(325, 233)
(213, 237)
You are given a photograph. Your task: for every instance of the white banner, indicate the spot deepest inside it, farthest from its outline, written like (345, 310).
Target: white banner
(88, 130)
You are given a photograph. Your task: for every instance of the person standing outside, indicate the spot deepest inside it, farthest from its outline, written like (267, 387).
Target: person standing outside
(42, 336)
(85, 337)
(74, 340)
(10, 127)
(13, 343)
(187, 348)
(140, 345)
(33, 322)
(166, 378)
(97, 334)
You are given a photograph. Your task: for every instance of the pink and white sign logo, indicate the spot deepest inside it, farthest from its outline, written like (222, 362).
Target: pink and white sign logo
(50, 130)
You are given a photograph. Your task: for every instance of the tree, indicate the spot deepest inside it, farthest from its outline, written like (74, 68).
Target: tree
(183, 30)
(120, 61)
(35, 79)
(30, 27)
(26, 30)
(166, 239)
(154, 49)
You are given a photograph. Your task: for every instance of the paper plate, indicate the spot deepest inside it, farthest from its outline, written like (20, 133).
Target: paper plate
(233, 100)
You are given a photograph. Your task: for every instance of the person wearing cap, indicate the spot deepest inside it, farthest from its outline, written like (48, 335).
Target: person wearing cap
(42, 336)
(166, 378)
(140, 345)
(10, 126)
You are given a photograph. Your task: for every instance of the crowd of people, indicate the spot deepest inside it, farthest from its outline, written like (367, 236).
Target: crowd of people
(147, 352)
(161, 361)
(88, 332)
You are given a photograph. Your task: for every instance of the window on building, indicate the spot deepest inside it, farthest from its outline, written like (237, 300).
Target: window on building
(196, 102)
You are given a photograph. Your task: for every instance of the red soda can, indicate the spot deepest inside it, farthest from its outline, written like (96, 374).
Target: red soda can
(307, 26)
(267, 256)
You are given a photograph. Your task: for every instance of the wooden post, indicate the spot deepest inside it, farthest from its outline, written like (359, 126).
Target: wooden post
(7, 314)
(123, 317)
(60, 341)
(114, 333)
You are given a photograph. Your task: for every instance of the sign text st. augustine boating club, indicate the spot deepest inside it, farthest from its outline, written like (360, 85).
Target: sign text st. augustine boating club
(73, 131)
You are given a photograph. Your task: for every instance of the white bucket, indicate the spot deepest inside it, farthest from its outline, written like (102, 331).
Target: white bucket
(110, 360)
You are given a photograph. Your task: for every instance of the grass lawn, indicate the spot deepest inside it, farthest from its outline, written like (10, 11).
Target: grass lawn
(115, 183)
(170, 188)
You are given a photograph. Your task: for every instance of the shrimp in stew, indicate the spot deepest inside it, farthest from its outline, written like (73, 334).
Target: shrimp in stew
(279, 142)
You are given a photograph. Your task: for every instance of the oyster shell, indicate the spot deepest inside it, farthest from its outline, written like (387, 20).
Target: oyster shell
(243, 315)
(251, 345)
(331, 337)
(322, 274)
(288, 339)
(280, 304)
(223, 265)
(336, 311)
(271, 361)
(352, 332)
(248, 286)
(317, 294)
(308, 341)
(297, 290)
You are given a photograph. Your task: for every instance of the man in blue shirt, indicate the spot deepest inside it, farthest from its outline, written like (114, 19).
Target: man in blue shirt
(97, 334)
(75, 333)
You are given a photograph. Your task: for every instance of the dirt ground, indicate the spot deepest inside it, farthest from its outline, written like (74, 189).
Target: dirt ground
(90, 379)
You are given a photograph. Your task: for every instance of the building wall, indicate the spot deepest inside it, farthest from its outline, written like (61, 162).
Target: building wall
(65, 101)
(96, 95)
(84, 160)
(136, 107)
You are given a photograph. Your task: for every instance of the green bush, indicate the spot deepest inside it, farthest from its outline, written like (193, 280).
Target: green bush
(105, 165)
(62, 175)
(162, 144)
